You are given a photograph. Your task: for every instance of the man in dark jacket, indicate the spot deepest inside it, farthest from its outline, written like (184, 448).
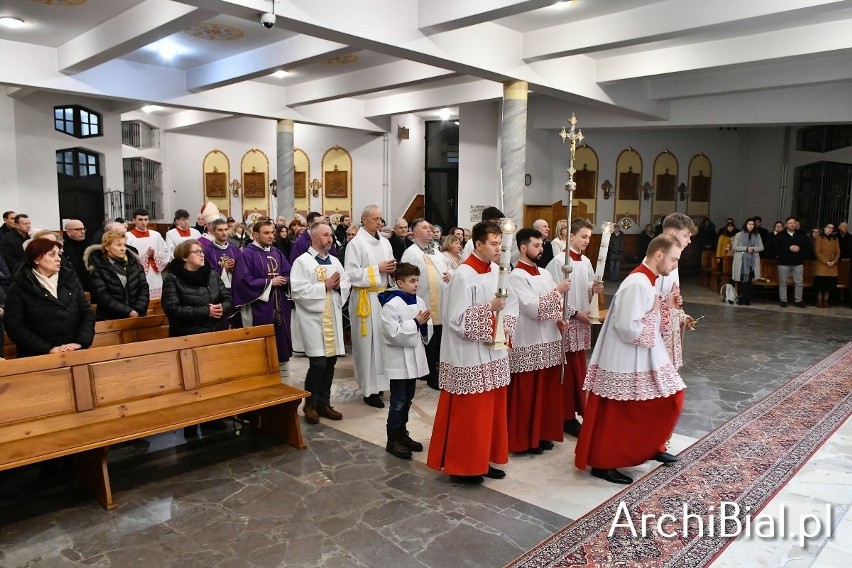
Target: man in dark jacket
(792, 248)
(397, 239)
(12, 245)
(542, 226)
(8, 223)
(74, 245)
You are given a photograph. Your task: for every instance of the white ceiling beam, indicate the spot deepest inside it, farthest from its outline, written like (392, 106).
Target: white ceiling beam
(663, 21)
(435, 97)
(792, 42)
(189, 118)
(289, 53)
(20, 92)
(137, 27)
(788, 73)
(435, 16)
(378, 78)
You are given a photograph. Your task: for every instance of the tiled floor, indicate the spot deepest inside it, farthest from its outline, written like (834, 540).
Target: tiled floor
(239, 500)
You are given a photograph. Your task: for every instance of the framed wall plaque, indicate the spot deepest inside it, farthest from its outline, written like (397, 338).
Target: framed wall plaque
(336, 184)
(300, 184)
(254, 184)
(216, 184)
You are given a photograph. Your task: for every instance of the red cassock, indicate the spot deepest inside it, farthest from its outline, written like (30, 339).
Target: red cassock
(624, 433)
(469, 432)
(573, 396)
(636, 395)
(535, 409)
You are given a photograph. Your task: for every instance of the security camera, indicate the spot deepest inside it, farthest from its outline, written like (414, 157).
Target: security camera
(268, 20)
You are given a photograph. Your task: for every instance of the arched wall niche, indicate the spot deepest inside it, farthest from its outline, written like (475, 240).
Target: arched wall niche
(628, 180)
(665, 186)
(216, 173)
(700, 175)
(336, 183)
(584, 204)
(301, 181)
(255, 185)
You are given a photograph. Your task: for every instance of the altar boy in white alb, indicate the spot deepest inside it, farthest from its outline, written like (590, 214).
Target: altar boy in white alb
(320, 286)
(673, 318)
(406, 329)
(579, 332)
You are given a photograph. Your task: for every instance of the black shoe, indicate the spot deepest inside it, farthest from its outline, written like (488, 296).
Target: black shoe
(433, 384)
(545, 445)
(799, 304)
(783, 304)
(374, 400)
(572, 427)
(537, 451)
(494, 473)
(665, 457)
(611, 475)
(467, 479)
(190, 432)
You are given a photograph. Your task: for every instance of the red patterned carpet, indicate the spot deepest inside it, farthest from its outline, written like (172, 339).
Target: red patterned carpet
(746, 462)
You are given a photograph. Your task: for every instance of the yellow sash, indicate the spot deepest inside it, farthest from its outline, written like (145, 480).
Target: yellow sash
(364, 308)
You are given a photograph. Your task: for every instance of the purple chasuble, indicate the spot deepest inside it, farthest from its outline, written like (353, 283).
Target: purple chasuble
(255, 268)
(215, 255)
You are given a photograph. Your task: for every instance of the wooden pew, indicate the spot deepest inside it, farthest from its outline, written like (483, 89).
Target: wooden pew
(81, 402)
(115, 332)
(769, 274)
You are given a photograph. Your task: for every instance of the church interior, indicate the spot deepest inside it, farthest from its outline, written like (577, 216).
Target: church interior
(278, 107)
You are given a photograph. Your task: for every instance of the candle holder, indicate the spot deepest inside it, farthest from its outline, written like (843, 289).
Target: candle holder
(607, 229)
(508, 228)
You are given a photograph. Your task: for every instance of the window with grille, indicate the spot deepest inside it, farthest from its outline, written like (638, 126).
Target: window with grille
(77, 121)
(77, 162)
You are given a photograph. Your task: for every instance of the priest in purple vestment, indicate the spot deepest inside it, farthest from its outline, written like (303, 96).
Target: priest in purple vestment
(261, 276)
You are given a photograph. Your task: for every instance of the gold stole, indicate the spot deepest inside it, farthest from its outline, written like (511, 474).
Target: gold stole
(434, 295)
(329, 330)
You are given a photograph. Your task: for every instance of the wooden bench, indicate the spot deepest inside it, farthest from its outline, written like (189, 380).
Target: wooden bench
(115, 332)
(769, 274)
(79, 403)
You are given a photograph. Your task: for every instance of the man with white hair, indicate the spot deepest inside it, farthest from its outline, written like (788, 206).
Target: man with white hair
(369, 263)
(543, 227)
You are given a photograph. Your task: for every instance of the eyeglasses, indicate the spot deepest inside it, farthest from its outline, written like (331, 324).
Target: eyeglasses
(76, 229)
(201, 252)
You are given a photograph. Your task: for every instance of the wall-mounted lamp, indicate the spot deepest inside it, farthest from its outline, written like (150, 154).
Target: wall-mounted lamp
(683, 191)
(273, 187)
(235, 187)
(647, 191)
(606, 186)
(315, 185)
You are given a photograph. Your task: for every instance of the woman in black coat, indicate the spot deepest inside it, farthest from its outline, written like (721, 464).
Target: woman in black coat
(117, 280)
(194, 297)
(46, 308)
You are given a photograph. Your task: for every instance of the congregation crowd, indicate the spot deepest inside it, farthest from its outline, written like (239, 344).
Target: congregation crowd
(416, 305)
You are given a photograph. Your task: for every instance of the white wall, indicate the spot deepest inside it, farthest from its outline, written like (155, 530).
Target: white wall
(9, 195)
(479, 162)
(407, 163)
(36, 143)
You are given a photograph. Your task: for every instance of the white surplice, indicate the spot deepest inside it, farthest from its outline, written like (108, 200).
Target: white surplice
(153, 266)
(535, 343)
(582, 278)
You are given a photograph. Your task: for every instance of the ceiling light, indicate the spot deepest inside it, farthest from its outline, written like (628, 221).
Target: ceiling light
(457, 123)
(562, 4)
(152, 108)
(11, 22)
(167, 51)
(280, 74)
(444, 114)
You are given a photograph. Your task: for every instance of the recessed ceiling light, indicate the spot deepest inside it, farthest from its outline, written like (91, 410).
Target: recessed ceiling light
(12, 22)
(457, 123)
(562, 4)
(444, 114)
(152, 108)
(280, 74)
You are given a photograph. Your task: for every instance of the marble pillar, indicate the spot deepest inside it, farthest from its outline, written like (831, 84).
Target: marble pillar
(513, 148)
(284, 161)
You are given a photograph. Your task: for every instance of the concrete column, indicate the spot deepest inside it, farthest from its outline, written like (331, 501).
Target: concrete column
(284, 161)
(513, 148)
